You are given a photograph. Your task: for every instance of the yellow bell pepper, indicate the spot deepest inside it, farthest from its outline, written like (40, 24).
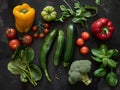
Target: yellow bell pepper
(24, 17)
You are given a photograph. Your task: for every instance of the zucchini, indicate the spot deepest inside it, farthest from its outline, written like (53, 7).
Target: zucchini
(70, 44)
(59, 48)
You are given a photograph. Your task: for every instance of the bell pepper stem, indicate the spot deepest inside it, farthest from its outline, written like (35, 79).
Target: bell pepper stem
(105, 30)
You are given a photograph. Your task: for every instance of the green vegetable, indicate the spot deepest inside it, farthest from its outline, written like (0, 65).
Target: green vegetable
(49, 13)
(105, 56)
(78, 72)
(46, 45)
(21, 64)
(97, 2)
(70, 43)
(79, 13)
(101, 72)
(59, 48)
(111, 78)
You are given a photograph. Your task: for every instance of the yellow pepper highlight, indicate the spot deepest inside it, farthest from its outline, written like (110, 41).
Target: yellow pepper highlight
(24, 17)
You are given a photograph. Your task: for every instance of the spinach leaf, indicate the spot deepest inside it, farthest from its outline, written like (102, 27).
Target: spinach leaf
(97, 2)
(112, 79)
(35, 72)
(97, 53)
(29, 54)
(63, 8)
(23, 77)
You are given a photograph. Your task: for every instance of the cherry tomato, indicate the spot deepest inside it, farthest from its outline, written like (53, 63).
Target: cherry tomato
(84, 50)
(34, 28)
(42, 35)
(14, 44)
(46, 31)
(46, 25)
(35, 35)
(10, 33)
(85, 35)
(79, 41)
(27, 39)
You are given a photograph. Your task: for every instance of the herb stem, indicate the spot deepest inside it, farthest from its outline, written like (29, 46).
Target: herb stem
(68, 4)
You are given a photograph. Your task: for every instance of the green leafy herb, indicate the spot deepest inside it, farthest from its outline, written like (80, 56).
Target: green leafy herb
(105, 56)
(21, 64)
(97, 2)
(79, 13)
(111, 78)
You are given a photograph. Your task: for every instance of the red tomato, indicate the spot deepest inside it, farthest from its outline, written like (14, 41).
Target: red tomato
(34, 28)
(84, 50)
(10, 33)
(46, 31)
(27, 39)
(79, 41)
(35, 35)
(14, 44)
(42, 35)
(46, 25)
(85, 35)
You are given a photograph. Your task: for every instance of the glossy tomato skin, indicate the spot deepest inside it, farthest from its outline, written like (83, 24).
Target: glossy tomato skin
(10, 33)
(41, 35)
(80, 42)
(46, 25)
(34, 28)
(84, 50)
(27, 39)
(46, 31)
(14, 44)
(85, 35)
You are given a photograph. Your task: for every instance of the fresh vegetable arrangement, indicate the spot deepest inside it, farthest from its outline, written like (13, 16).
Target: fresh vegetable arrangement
(105, 57)
(21, 62)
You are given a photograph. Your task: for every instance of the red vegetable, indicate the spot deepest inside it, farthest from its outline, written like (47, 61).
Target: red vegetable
(102, 28)
(79, 41)
(14, 44)
(84, 50)
(10, 33)
(85, 35)
(27, 39)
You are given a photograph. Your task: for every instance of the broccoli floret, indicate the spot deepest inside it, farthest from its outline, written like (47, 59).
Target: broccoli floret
(78, 72)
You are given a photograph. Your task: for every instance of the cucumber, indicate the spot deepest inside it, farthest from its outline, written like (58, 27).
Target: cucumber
(70, 44)
(59, 48)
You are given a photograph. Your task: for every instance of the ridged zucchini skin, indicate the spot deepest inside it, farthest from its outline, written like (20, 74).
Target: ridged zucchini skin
(45, 47)
(59, 47)
(70, 44)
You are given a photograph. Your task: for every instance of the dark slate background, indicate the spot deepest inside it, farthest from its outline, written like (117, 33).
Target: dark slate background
(8, 81)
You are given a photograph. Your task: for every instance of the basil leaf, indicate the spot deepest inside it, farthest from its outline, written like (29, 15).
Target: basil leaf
(112, 79)
(71, 11)
(112, 63)
(98, 53)
(96, 59)
(105, 62)
(35, 72)
(101, 72)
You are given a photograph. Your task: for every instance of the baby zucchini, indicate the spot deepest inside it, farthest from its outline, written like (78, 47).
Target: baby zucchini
(59, 48)
(70, 43)
(46, 45)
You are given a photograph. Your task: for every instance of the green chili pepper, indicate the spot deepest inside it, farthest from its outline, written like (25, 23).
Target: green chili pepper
(46, 45)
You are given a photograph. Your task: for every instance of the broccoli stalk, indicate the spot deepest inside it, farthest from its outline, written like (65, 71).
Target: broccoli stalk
(79, 70)
(85, 79)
